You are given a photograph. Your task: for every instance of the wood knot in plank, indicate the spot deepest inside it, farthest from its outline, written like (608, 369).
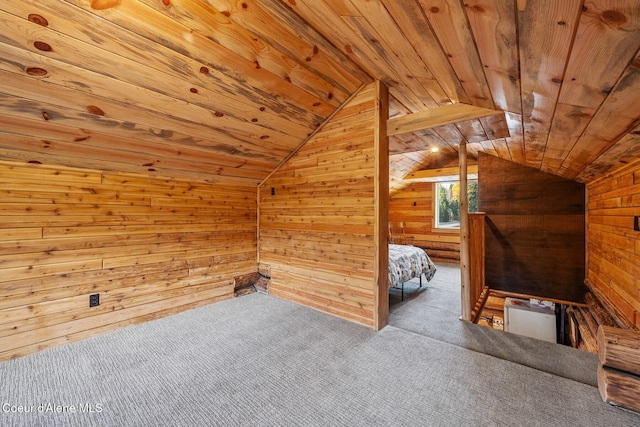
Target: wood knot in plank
(95, 110)
(475, 8)
(104, 4)
(614, 17)
(36, 71)
(38, 19)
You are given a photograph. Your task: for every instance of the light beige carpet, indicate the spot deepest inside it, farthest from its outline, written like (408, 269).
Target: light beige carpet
(261, 361)
(434, 311)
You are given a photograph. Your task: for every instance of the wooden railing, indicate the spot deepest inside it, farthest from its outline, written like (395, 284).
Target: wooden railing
(478, 290)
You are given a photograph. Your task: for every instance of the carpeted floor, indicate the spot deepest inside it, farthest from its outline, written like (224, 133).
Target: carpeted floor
(434, 311)
(259, 360)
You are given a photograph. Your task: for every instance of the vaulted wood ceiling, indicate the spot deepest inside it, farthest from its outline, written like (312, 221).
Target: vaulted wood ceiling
(224, 90)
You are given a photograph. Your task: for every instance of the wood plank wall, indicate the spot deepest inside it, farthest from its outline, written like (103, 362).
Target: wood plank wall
(150, 247)
(613, 246)
(317, 217)
(534, 230)
(414, 206)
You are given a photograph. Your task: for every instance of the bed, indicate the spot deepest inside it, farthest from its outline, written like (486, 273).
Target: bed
(407, 262)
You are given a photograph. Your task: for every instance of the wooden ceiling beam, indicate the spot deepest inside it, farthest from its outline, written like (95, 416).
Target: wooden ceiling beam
(441, 174)
(441, 116)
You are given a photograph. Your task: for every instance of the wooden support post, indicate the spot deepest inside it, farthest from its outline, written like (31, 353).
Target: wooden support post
(465, 273)
(381, 232)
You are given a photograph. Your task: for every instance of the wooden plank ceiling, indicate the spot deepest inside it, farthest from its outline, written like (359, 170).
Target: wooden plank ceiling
(224, 90)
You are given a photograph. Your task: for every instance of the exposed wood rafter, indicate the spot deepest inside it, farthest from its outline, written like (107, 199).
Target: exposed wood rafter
(442, 174)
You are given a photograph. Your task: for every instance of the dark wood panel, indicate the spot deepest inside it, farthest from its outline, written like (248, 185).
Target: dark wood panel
(534, 230)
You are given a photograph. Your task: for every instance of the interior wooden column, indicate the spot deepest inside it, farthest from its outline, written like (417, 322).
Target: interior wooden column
(381, 236)
(465, 274)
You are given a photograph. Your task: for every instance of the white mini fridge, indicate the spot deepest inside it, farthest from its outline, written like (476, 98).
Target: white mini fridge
(535, 321)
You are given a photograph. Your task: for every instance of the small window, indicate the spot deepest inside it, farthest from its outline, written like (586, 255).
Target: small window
(447, 207)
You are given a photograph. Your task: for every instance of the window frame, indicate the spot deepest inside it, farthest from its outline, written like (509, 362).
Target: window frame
(436, 206)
